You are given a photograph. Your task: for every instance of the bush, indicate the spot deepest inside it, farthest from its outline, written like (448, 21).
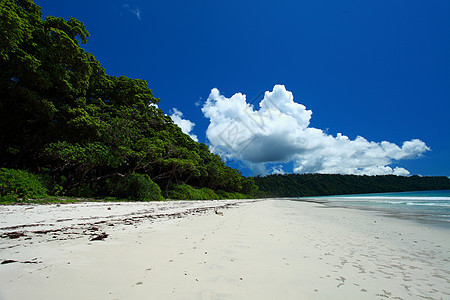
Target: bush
(135, 186)
(229, 195)
(222, 194)
(16, 184)
(54, 187)
(84, 190)
(208, 194)
(187, 192)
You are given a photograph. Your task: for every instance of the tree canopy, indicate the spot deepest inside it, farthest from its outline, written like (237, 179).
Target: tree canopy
(63, 116)
(300, 185)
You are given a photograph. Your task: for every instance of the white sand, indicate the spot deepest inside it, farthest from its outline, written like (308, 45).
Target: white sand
(274, 249)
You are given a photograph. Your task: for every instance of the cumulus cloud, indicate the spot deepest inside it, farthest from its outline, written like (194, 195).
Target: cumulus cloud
(133, 10)
(279, 131)
(185, 125)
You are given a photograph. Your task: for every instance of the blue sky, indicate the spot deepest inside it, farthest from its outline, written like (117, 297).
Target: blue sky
(332, 70)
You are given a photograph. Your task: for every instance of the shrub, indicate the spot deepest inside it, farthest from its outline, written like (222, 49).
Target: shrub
(54, 187)
(15, 184)
(222, 194)
(209, 194)
(136, 186)
(229, 195)
(187, 192)
(84, 190)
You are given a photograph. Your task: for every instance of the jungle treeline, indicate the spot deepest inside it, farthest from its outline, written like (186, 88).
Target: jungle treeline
(69, 129)
(85, 133)
(301, 185)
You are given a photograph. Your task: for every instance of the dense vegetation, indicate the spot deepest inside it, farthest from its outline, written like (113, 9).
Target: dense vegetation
(68, 128)
(296, 185)
(86, 133)
(16, 184)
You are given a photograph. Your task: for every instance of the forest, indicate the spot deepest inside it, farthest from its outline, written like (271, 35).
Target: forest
(81, 132)
(69, 129)
(301, 185)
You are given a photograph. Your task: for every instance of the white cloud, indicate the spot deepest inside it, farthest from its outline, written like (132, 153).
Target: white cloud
(185, 125)
(278, 170)
(134, 10)
(279, 132)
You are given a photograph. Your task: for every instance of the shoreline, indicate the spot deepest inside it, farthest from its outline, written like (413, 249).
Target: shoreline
(433, 217)
(382, 212)
(255, 249)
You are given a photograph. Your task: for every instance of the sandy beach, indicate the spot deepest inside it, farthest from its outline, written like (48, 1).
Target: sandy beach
(268, 249)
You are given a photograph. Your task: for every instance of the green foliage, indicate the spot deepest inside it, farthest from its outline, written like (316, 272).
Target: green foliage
(61, 113)
(133, 187)
(53, 187)
(230, 195)
(300, 185)
(187, 192)
(16, 20)
(136, 187)
(15, 184)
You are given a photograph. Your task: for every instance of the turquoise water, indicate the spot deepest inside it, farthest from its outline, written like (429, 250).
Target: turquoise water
(427, 206)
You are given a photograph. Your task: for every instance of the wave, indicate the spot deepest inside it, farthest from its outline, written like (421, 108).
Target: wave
(443, 202)
(432, 208)
(428, 204)
(400, 199)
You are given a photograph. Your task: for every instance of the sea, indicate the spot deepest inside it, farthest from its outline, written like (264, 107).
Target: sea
(432, 207)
